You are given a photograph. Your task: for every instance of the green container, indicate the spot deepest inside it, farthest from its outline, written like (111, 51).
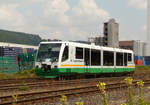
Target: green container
(11, 65)
(7, 65)
(27, 61)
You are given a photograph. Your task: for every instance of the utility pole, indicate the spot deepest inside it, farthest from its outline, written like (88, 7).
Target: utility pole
(148, 28)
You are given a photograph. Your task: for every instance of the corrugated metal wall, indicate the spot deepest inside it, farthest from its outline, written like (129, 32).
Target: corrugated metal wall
(14, 59)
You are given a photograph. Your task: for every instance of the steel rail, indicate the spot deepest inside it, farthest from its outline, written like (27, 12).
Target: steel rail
(47, 83)
(55, 94)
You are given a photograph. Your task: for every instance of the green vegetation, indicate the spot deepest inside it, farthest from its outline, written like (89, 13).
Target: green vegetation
(23, 87)
(140, 85)
(102, 86)
(129, 82)
(20, 74)
(19, 38)
(129, 101)
(142, 67)
(63, 99)
(15, 99)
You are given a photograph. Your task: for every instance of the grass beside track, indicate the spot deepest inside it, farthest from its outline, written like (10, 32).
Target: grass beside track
(142, 69)
(18, 75)
(31, 73)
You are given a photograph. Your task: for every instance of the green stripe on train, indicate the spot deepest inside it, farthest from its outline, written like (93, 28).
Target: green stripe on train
(55, 72)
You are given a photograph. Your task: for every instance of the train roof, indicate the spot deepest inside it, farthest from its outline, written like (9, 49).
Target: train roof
(92, 45)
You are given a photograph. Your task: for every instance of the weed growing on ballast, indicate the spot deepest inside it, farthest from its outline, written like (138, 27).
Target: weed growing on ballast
(63, 99)
(140, 85)
(101, 86)
(15, 99)
(23, 87)
(129, 81)
(79, 103)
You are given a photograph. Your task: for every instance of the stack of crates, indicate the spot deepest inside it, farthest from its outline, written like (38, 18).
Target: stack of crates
(139, 60)
(9, 51)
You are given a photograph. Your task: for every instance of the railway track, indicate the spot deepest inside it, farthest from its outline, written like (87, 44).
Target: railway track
(10, 86)
(33, 83)
(16, 81)
(54, 95)
(13, 84)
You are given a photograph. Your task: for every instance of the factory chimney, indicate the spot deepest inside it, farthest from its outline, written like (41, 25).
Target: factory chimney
(148, 28)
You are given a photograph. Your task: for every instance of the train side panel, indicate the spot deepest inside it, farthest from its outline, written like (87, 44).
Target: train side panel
(71, 63)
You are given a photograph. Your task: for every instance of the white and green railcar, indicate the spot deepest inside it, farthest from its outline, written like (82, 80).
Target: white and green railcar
(55, 59)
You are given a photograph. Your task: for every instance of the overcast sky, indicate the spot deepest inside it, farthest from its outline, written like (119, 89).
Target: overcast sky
(74, 19)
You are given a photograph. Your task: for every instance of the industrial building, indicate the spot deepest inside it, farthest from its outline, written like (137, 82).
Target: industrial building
(126, 44)
(4, 44)
(148, 28)
(137, 46)
(111, 39)
(97, 40)
(139, 49)
(110, 35)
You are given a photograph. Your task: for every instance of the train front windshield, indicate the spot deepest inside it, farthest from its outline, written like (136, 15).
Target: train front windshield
(48, 52)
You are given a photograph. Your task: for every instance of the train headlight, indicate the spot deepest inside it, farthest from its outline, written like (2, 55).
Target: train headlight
(55, 66)
(36, 66)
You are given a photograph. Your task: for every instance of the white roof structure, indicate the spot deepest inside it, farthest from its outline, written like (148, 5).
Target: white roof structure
(17, 45)
(91, 46)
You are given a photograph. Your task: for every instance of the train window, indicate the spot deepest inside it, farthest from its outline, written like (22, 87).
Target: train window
(108, 58)
(119, 59)
(125, 59)
(95, 57)
(129, 57)
(65, 53)
(87, 56)
(79, 53)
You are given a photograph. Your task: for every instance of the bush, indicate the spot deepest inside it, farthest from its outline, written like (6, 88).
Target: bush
(23, 87)
(20, 74)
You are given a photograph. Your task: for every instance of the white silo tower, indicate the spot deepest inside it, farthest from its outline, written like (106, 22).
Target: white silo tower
(148, 28)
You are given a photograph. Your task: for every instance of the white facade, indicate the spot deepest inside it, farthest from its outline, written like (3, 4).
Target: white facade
(139, 48)
(148, 28)
(111, 33)
(17, 45)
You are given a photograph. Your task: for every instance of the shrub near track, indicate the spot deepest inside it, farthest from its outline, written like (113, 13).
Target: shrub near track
(142, 69)
(19, 75)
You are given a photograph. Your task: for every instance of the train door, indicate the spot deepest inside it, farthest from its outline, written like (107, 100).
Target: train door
(87, 59)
